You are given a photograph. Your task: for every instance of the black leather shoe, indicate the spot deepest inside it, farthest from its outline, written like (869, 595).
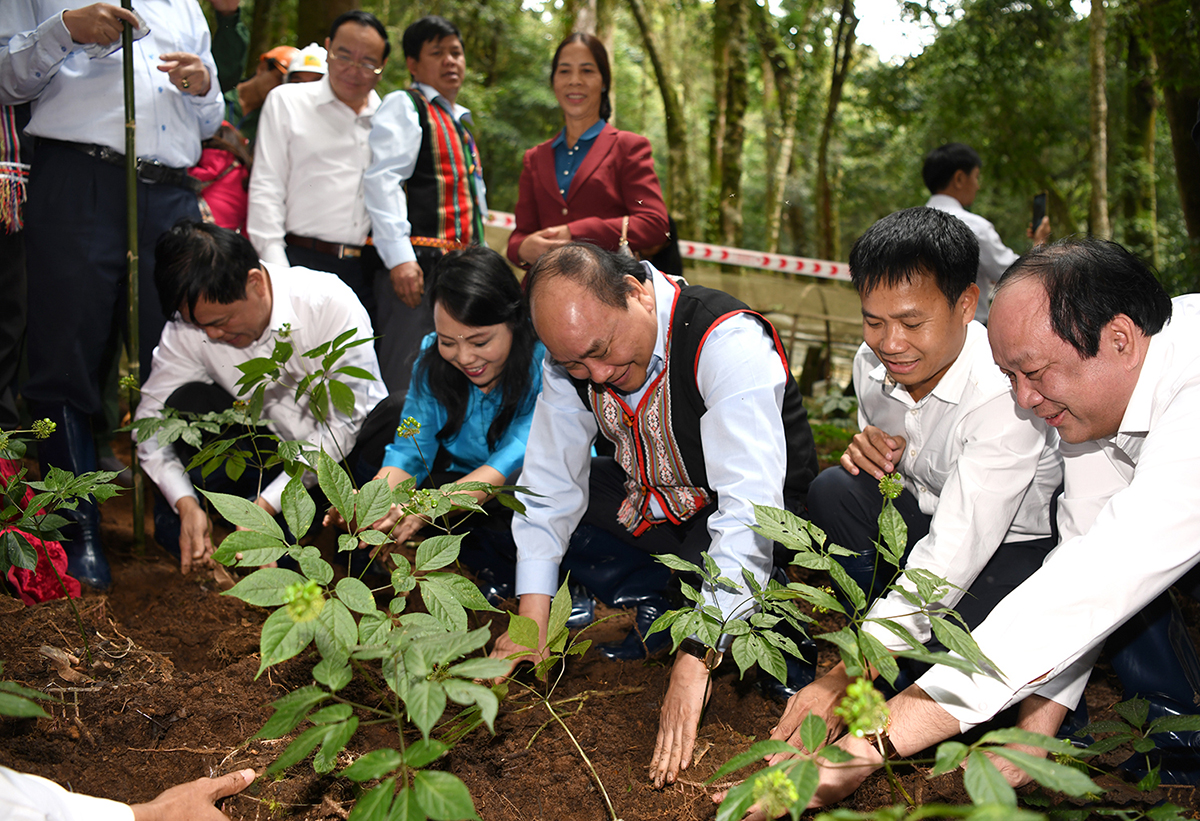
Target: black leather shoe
(583, 607)
(638, 645)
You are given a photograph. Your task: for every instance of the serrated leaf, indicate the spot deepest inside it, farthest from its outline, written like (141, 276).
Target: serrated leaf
(316, 568)
(878, 656)
(425, 703)
(244, 513)
(376, 804)
(782, 526)
(758, 751)
(817, 597)
(342, 397)
(373, 502)
(373, 628)
(1135, 711)
(336, 485)
(331, 714)
(422, 752)
(443, 604)
(283, 638)
(464, 591)
(849, 587)
(985, 784)
(265, 587)
(336, 737)
(958, 640)
(813, 732)
(437, 552)
(443, 796)
(1049, 774)
(894, 532)
(298, 507)
(298, 750)
(290, 711)
(355, 595)
(480, 668)
(523, 630)
(1174, 724)
(375, 764)
(333, 672)
(675, 563)
(335, 632)
(950, 754)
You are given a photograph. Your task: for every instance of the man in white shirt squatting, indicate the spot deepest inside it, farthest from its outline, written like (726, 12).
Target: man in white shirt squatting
(228, 307)
(694, 392)
(1091, 344)
(306, 192)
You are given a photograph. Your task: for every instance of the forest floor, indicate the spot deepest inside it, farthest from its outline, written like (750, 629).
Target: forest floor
(171, 695)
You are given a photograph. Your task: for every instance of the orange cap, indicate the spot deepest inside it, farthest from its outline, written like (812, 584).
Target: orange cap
(282, 55)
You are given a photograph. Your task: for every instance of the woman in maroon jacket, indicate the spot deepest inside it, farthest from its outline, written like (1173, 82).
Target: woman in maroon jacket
(591, 183)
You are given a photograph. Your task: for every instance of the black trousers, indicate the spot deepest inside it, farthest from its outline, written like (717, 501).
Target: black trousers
(75, 236)
(356, 272)
(12, 323)
(400, 327)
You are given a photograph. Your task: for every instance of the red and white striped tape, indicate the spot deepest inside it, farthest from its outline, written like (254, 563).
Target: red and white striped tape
(724, 255)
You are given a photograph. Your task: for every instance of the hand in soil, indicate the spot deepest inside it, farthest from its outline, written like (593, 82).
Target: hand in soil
(194, 800)
(195, 535)
(535, 606)
(679, 718)
(820, 697)
(839, 780)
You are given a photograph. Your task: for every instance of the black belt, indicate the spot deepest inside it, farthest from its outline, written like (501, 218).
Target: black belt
(148, 171)
(333, 249)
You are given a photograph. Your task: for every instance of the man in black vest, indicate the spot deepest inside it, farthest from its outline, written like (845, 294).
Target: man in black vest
(694, 392)
(423, 156)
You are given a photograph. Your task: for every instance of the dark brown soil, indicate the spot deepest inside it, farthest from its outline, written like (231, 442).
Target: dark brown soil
(171, 695)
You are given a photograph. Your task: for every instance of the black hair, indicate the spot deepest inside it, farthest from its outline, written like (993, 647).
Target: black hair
(363, 18)
(916, 242)
(1088, 282)
(943, 162)
(431, 27)
(477, 288)
(600, 55)
(601, 272)
(198, 259)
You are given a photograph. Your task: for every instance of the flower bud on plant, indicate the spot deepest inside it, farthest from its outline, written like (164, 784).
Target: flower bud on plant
(864, 709)
(891, 485)
(304, 601)
(129, 382)
(42, 428)
(408, 428)
(775, 793)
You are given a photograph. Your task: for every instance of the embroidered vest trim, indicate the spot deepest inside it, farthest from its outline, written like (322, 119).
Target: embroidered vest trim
(444, 179)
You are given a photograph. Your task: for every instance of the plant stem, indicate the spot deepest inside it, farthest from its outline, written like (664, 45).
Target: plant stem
(611, 811)
(893, 782)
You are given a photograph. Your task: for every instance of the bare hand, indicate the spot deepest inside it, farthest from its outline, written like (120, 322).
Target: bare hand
(874, 451)
(537, 607)
(539, 242)
(225, 6)
(1042, 235)
(186, 72)
(839, 780)
(679, 718)
(100, 23)
(408, 281)
(820, 697)
(194, 800)
(195, 535)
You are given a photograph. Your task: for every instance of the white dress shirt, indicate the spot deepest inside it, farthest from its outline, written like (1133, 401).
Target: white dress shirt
(982, 467)
(25, 797)
(994, 255)
(741, 380)
(81, 100)
(316, 307)
(395, 144)
(1129, 529)
(309, 158)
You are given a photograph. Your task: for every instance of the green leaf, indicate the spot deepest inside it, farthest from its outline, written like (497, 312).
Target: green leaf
(336, 737)
(847, 642)
(342, 397)
(958, 640)
(950, 754)
(335, 631)
(985, 784)
(423, 752)
(437, 552)
(813, 731)
(373, 502)
(244, 513)
(373, 628)
(468, 692)
(1015, 735)
(251, 545)
(298, 507)
(783, 526)
(442, 603)
(807, 779)
(290, 711)
(20, 707)
(678, 564)
(523, 630)
(265, 587)
(463, 590)
(356, 595)
(1134, 711)
(443, 796)
(334, 673)
(848, 586)
(894, 533)
(314, 567)
(878, 656)
(480, 668)
(1051, 775)
(375, 805)
(331, 714)
(1174, 724)
(20, 552)
(817, 597)
(336, 485)
(375, 764)
(406, 808)
(298, 750)
(318, 402)
(758, 751)
(737, 800)
(283, 638)
(425, 703)
(356, 372)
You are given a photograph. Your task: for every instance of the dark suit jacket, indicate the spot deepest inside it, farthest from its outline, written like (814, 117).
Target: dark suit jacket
(615, 180)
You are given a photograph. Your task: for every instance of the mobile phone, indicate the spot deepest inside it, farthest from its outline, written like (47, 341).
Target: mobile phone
(1039, 210)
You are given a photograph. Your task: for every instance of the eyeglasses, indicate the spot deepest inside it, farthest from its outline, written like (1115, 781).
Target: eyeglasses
(350, 63)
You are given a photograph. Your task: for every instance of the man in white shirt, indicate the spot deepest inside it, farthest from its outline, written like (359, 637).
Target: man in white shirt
(1122, 388)
(694, 392)
(424, 188)
(228, 308)
(979, 473)
(64, 56)
(306, 192)
(951, 173)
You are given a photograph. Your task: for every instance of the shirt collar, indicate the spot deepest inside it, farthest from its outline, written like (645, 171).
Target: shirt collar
(944, 202)
(432, 94)
(325, 96)
(1141, 401)
(954, 381)
(664, 305)
(592, 133)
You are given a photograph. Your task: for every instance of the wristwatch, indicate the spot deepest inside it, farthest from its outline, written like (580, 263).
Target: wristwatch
(709, 655)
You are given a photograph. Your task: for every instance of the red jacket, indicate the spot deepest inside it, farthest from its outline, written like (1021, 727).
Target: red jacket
(616, 179)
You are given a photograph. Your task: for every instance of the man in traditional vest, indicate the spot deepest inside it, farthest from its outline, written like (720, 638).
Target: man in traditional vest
(423, 154)
(694, 392)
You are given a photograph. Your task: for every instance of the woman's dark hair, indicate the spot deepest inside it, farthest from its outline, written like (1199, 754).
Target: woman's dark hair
(477, 288)
(600, 55)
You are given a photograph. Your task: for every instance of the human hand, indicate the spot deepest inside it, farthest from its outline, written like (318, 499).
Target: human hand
(679, 718)
(820, 697)
(194, 800)
(195, 535)
(539, 242)
(408, 281)
(1042, 235)
(99, 23)
(186, 71)
(535, 606)
(839, 780)
(225, 6)
(874, 451)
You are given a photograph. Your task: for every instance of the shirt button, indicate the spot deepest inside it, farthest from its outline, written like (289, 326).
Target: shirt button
(564, 212)
(565, 172)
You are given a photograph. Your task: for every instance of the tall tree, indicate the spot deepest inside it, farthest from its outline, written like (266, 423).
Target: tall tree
(269, 27)
(314, 17)
(828, 238)
(1139, 208)
(1098, 107)
(729, 41)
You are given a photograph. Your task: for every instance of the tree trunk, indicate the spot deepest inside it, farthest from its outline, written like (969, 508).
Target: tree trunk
(729, 201)
(679, 191)
(1139, 200)
(268, 27)
(722, 16)
(843, 53)
(1098, 104)
(314, 17)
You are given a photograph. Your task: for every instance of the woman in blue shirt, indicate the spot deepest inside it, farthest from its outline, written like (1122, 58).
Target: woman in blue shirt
(474, 384)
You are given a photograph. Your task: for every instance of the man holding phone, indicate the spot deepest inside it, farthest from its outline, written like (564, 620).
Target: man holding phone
(951, 173)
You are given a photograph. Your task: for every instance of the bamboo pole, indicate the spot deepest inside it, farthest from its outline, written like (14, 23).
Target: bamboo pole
(133, 350)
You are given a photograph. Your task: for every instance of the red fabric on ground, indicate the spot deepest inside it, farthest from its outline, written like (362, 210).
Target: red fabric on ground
(39, 584)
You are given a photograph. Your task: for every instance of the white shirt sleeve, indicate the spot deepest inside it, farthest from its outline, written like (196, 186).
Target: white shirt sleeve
(25, 797)
(30, 55)
(266, 216)
(395, 142)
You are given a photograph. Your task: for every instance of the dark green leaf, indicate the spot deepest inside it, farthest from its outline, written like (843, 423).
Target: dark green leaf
(298, 507)
(283, 638)
(443, 796)
(336, 485)
(950, 755)
(376, 804)
(1059, 777)
(298, 750)
(1134, 711)
(985, 784)
(333, 672)
(437, 552)
(290, 711)
(425, 703)
(355, 595)
(421, 753)
(342, 397)
(265, 587)
(336, 737)
(813, 731)
(375, 764)
(244, 513)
